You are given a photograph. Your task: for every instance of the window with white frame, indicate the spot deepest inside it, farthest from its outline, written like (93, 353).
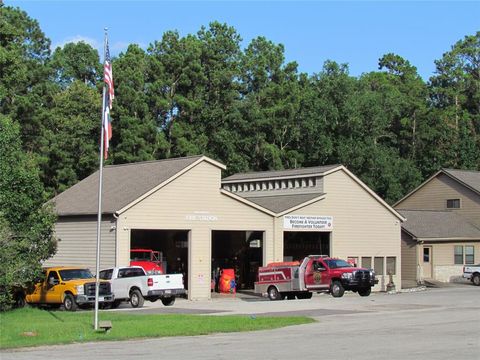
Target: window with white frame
(453, 204)
(391, 265)
(464, 254)
(378, 265)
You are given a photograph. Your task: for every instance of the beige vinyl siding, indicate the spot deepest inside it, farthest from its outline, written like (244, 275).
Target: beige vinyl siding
(362, 226)
(77, 242)
(443, 254)
(444, 268)
(197, 192)
(409, 261)
(434, 195)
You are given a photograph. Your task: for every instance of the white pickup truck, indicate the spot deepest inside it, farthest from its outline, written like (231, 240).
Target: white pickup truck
(472, 272)
(131, 283)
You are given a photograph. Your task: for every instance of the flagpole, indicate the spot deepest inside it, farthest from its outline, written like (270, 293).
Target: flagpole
(100, 185)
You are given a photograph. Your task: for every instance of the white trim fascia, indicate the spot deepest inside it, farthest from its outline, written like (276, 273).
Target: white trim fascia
(373, 194)
(335, 169)
(299, 206)
(169, 180)
(214, 162)
(247, 202)
(449, 239)
(284, 177)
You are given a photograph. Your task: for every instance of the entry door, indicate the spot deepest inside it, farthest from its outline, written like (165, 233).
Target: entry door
(427, 262)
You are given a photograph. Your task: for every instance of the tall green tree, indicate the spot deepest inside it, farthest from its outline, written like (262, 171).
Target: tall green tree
(26, 225)
(24, 88)
(271, 106)
(455, 92)
(326, 112)
(71, 137)
(76, 61)
(174, 92)
(136, 135)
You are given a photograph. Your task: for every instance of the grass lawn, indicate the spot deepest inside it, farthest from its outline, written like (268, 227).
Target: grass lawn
(33, 327)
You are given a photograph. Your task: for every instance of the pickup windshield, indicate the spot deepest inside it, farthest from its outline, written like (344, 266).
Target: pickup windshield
(75, 274)
(337, 263)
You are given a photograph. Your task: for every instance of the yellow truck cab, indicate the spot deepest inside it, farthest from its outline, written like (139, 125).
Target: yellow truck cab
(70, 286)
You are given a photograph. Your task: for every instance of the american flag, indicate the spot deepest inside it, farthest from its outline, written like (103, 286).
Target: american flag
(109, 96)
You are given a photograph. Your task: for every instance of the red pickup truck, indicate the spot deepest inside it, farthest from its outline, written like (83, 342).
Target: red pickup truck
(315, 273)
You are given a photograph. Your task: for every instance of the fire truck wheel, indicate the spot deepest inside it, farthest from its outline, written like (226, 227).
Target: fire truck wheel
(273, 293)
(365, 291)
(290, 296)
(337, 289)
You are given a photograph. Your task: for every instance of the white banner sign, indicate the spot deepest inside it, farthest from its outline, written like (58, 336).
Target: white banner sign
(307, 222)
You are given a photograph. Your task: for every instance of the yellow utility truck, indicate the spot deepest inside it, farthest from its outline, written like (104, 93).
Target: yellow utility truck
(70, 286)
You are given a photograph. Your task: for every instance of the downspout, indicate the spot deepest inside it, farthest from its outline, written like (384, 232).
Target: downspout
(116, 216)
(419, 265)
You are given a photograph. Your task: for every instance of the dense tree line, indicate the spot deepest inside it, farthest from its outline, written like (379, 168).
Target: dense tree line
(246, 107)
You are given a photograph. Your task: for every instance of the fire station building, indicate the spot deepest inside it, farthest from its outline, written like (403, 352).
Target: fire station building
(200, 222)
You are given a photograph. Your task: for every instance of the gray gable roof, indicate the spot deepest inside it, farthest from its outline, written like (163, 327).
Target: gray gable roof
(440, 225)
(122, 184)
(280, 203)
(280, 173)
(470, 178)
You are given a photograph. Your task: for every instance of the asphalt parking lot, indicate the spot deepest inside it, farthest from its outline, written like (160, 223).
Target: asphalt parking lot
(439, 323)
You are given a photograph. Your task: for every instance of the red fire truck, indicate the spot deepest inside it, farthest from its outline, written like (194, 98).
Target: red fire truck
(150, 260)
(315, 273)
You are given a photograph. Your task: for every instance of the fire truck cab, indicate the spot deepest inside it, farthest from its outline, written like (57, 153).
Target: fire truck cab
(315, 273)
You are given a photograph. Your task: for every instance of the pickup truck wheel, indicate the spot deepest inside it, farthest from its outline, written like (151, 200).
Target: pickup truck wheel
(273, 293)
(476, 279)
(168, 301)
(337, 289)
(69, 303)
(364, 291)
(136, 298)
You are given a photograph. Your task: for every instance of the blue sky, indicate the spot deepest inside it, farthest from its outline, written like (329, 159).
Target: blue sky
(353, 32)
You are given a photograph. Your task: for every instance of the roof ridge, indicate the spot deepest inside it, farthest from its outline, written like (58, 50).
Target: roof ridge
(154, 161)
(433, 210)
(467, 170)
(279, 170)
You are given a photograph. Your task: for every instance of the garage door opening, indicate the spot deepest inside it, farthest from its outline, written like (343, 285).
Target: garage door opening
(298, 244)
(172, 245)
(238, 250)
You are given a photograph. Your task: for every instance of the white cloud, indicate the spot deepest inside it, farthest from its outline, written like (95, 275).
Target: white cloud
(79, 38)
(122, 46)
(115, 48)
